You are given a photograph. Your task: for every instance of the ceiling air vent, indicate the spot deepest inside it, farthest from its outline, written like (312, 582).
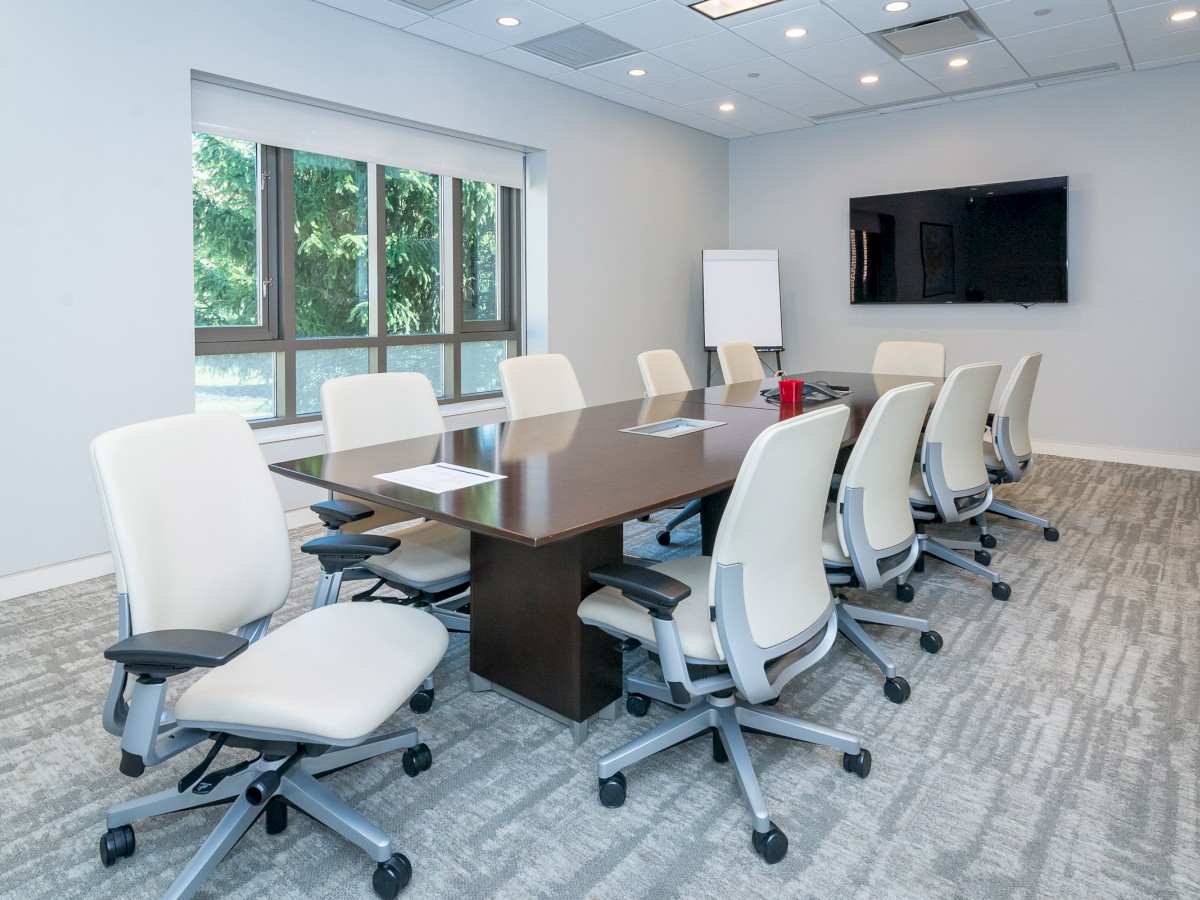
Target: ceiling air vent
(956, 30)
(578, 47)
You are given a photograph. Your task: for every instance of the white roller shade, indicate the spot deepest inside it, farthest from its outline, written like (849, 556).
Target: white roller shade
(237, 112)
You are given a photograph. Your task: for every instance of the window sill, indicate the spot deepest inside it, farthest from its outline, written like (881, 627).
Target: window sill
(300, 430)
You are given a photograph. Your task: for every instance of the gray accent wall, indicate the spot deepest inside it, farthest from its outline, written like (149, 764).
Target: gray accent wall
(1121, 368)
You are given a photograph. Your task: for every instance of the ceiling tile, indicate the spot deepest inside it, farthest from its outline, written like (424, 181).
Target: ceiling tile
(961, 80)
(685, 90)
(656, 24)
(480, 16)
(823, 26)
(637, 100)
(896, 84)
(763, 73)
(378, 11)
(702, 123)
(585, 82)
(713, 51)
(1014, 17)
(1099, 32)
(1079, 59)
(453, 36)
(1179, 46)
(769, 121)
(851, 55)
(528, 62)
(831, 106)
(869, 15)
(984, 55)
(617, 71)
(743, 107)
(587, 10)
(808, 90)
(1155, 21)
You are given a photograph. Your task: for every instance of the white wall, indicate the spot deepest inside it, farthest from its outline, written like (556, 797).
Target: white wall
(95, 283)
(1121, 368)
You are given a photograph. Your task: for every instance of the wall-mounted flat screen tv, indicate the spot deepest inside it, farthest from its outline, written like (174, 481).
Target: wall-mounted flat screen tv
(983, 243)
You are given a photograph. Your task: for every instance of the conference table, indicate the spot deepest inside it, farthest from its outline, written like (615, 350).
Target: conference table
(571, 480)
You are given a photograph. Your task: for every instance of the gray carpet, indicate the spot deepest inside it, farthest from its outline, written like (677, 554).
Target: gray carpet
(1051, 749)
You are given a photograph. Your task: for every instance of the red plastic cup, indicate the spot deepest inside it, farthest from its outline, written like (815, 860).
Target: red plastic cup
(791, 390)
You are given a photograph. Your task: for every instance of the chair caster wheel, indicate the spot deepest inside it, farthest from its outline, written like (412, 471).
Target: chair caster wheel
(637, 705)
(416, 760)
(905, 593)
(896, 689)
(664, 538)
(1001, 591)
(931, 642)
(770, 701)
(858, 763)
(771, 845)
(116, 843)
(612, 790)
(392, 876)
(1050, 534)
(988, 540)
(983, 557)
(719, 754)
(276, 815)
(421, 701)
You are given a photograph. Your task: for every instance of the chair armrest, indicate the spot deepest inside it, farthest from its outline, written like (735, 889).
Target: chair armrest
(336, 513)
(655, 592)
(339, 551)
(160, 654)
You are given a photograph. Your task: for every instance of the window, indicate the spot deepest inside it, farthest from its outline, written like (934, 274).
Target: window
(310, 266)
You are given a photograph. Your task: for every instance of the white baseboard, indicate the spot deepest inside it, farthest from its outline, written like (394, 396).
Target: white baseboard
(46, 577)
(1155, 458)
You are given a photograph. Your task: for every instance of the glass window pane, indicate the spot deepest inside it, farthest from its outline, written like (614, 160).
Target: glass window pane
(428, 359)
(480, 366)
(315, 367)
(224, 225)
(479, 252)
(412, 247)
(332, 277)
(243, 383)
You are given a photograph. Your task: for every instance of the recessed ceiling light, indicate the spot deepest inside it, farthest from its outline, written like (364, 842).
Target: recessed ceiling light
(795, 32)
(958, 61)
(1184, 16)
(869, 79)
(719, 9)
(637, 73)
(508, 21)
(898, 6)
(726, 107)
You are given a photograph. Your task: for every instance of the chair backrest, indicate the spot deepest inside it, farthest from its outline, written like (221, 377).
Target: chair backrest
(1010, 427)
(952, 450)
(539, 385)
(361, 410)
(872, 503)
(739, 362)
(771, 529)
(663, 373)
(195, 523)
(922, 359)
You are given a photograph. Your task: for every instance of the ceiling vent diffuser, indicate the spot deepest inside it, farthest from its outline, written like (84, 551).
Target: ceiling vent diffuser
(578, 47)
(957, 30)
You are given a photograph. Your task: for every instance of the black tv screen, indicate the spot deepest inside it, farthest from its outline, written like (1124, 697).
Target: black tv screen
(984, 243)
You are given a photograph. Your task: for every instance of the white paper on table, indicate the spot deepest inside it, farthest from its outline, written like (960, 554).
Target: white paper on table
(438, 478)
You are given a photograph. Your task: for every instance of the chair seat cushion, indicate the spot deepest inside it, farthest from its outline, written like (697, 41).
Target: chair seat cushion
(337, 672)
(609, 609)
(429, 555)
(831, 547)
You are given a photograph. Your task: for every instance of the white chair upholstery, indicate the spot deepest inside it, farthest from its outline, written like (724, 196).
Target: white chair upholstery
(1007, 450)
(201, 549)
(922, 359)
(433, 558)
(663, 373)
(539, 385)
(869, 536)
(759, 610)
(739, 362)
(949, 482)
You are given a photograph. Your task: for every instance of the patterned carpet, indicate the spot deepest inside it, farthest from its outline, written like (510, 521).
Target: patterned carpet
(1051, 749)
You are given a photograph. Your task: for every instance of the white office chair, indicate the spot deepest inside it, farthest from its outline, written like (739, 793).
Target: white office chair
(759, 611)
(201, 549)
(432, 565)
(739, 362)
(539, 385)
(869, 536)
(921, 359)
(1007, 450)
(949, 482)
(663, 373)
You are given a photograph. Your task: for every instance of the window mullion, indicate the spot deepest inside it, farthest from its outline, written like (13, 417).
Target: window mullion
(285, 280)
